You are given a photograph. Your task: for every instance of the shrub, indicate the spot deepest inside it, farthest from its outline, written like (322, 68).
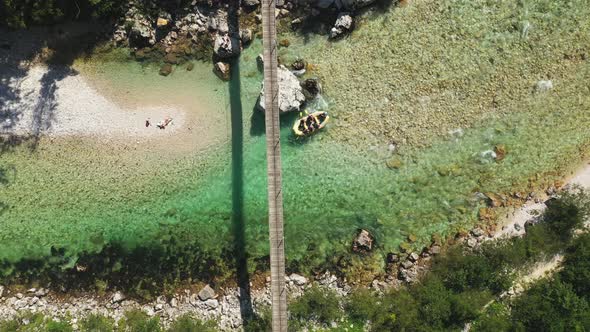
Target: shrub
(399, 311)
(360, 306)
(97, 323)
(563, 216)
(466, 306)
(576, 269)
(139, 321)
(551, 305)
(261, 322)
(461, 272)
(495, 319)
(61, 326)
(188, 323)
(35, 323)
(317, 304)
(434, 301)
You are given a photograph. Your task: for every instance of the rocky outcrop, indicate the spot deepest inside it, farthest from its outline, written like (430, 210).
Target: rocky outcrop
(291, 96)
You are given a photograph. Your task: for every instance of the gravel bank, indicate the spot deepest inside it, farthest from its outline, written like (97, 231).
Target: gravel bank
(57, 101)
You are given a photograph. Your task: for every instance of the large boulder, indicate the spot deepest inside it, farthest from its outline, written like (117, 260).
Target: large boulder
(226, 47)
(344, 24)
(206, 293)
(291, 96)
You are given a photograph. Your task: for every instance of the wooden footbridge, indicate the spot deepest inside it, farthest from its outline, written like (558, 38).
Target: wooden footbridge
(273, 157)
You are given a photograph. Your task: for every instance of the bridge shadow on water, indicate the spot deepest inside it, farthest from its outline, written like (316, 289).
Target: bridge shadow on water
(237, 156)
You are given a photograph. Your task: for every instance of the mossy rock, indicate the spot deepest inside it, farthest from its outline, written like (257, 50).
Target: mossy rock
(436, 239)
(412, 238)
(405, 247)
(171, 58)
(285, 43)
(487, 214)
(394, 163)
(166, 69)
(500, 151)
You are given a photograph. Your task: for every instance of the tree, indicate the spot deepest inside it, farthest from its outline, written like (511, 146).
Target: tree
(551, 305)
(577, 266)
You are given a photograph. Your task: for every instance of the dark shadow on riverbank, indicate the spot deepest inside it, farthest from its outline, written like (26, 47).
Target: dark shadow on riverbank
(57, 47)
(237, 154)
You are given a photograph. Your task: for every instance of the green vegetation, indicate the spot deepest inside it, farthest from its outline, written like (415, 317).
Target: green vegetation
(261, 322)
(139, 321)
(35, 323)
(133, 321)
(318, 305)
(188, 323)
(97, 323)
(551, 305)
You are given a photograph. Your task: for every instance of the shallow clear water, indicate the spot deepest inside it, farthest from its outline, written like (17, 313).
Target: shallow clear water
(81, 195)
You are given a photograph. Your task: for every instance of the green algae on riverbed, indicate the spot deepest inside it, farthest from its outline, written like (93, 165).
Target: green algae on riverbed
(79, 196)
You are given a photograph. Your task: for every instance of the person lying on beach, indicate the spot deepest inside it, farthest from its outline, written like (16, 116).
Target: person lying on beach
(164, 124)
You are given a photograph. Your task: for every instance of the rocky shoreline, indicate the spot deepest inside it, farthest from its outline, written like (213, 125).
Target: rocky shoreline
(218, 31)
(227, 306)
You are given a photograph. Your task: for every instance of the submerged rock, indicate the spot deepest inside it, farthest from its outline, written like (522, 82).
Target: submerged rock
(343, 25)
(222, 70)
(500, 151)
(246, 36)
(543, 86)
(298, 67)
(166, 69)
(291, 96)
(363, 241)
(260, 62)
(392, 258)
(312, 87)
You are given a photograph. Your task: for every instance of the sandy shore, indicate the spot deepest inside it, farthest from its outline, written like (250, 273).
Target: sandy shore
(57, 101)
